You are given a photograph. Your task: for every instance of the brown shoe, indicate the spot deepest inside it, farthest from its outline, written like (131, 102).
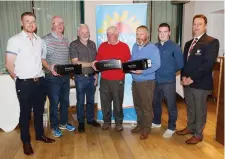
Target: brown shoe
(119, 127)
(45, 139)
(105, 126)
(27, 149)
(193, 140)
(184, 132)
(144, 135)
(137, 129)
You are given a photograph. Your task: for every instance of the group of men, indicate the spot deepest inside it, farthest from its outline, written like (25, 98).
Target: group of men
(27, 54)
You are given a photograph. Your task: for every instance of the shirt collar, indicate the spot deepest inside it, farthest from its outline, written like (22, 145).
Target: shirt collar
(199, 36)
(163, 43)
(144, 44)
(55, 35)
(115, 43)
(81, 42)
(26, 35)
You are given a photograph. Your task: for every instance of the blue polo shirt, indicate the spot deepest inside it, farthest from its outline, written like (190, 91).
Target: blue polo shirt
(149, 51)
(171, 61)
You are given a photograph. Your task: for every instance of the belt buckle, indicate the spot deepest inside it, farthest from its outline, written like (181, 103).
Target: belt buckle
(36, 79)
(86, 75)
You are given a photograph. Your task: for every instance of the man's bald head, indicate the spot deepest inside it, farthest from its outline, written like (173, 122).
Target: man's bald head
(57, 24)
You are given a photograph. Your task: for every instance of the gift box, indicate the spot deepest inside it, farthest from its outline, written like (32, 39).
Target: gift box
(69, 68)
(112, 64)
(140, 64)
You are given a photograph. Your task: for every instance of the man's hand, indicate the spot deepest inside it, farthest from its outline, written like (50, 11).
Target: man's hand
(93, 65)
(53, 71)
(190, 81)
(186, 81)
(137, 71)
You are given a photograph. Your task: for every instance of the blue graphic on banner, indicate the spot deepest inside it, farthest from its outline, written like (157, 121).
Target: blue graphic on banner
(126, 18)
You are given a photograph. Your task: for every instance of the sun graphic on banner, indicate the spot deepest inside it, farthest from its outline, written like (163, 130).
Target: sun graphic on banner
(124, 23)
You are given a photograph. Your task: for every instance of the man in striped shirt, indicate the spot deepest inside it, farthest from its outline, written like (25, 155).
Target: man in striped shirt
(56, 51)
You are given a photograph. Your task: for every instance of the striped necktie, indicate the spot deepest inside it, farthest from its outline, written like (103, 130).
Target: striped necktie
(192, 46)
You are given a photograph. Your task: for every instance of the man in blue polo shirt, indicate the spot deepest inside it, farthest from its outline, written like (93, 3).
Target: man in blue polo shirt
(144, 81)
(171, 61)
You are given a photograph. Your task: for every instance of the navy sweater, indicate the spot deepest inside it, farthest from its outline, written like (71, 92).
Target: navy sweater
(171, 61)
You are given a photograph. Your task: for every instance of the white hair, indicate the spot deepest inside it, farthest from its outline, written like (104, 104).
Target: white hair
(82, 26)
(112, 29)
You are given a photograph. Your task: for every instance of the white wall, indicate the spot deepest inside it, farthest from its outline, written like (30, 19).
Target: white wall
(188, 14)
(214, 11)
(89, 15)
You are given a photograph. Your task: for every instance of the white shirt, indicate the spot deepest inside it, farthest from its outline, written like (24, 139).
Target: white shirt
(198, 37)
(28, 60)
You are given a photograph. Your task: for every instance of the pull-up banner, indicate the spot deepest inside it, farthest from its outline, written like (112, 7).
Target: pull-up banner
(126, 18)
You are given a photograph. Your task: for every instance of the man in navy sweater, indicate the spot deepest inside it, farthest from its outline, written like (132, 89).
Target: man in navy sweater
(171, 61)
(144, 81)
(200, 54)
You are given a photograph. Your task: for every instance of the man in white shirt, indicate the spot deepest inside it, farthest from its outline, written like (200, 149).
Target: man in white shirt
(23, 62)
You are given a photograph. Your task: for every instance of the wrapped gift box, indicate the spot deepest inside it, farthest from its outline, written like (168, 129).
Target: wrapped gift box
(112, 64)
(140, 64)
(69, 68)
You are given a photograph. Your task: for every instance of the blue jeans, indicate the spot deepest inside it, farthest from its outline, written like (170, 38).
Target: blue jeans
(165, 91)
(85, 86)
(58, 88)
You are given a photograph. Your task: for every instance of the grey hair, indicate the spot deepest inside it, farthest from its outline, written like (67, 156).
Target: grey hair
(82, 25)
(112, 29)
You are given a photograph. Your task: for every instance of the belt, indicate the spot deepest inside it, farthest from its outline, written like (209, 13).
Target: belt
(30, 79)
(88, 74)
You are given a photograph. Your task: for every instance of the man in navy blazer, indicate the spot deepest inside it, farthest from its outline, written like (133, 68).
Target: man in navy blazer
(200, 54)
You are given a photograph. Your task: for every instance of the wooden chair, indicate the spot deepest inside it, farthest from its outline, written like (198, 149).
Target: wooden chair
(217, 74)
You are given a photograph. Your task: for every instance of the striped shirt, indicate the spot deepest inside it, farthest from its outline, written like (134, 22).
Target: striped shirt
(56, 50)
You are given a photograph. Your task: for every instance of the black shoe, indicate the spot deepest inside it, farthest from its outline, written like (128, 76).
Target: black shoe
(94, 123)
(81, 127)
(45, 139)
(27, 149)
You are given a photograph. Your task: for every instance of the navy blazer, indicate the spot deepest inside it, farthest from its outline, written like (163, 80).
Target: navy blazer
(200, 63)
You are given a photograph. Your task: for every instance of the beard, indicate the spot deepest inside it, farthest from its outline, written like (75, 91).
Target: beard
(84, 39)
(141, 42)
(29, 29)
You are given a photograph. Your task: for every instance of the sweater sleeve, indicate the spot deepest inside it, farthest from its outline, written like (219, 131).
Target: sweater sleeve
(155, 59)
(126, 52)
(99, 53)
(178, 57)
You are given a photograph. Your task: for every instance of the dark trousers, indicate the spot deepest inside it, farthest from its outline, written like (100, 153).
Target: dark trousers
(58, 88)
(142, 97)
(196, 100)
(30, 95)
(112, 91)
(85, 87)
(165, 91)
